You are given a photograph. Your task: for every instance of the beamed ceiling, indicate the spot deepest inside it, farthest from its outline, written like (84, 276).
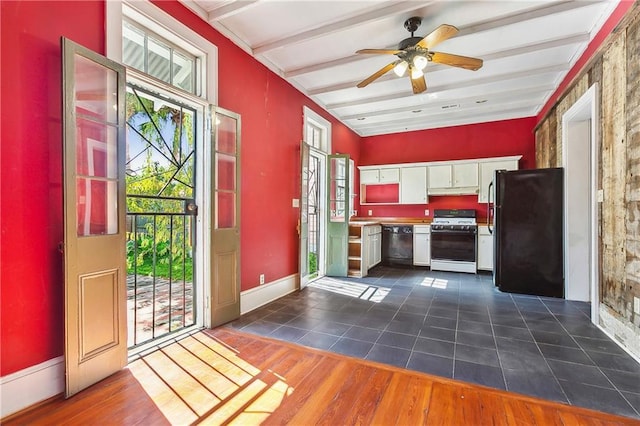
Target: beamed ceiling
(527, 48)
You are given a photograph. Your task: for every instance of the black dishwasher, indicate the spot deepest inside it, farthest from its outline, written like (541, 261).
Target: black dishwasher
(397, 244)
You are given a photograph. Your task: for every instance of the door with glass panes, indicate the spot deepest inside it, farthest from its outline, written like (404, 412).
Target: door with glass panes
(338, 201)
(94, 217)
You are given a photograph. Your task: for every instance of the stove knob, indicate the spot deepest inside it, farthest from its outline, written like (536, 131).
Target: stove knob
(451, 227)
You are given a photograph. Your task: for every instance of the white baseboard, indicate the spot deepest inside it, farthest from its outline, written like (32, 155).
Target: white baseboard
(30, 386)
(259, 296)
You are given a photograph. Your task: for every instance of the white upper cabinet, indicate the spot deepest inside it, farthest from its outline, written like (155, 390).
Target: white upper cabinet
(440, 176)
(373, 176)
(369, 176)
(486, 174)
(455, 178)
(389, 175)
(465, 175)
(413, 185)
(418, 180)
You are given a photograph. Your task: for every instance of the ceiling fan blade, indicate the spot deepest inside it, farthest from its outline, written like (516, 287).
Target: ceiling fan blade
(380, 51)
(377, 74)
(440, 34)
(456, 60)
(419, 84)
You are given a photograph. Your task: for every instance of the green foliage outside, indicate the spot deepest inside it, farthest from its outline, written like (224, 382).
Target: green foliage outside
(163, 168)
(143, 256)
(313, 264)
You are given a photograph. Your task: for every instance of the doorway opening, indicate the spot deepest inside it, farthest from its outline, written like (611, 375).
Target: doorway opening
(314, 149)
(316, 214)
(579, 140)
(162, 179)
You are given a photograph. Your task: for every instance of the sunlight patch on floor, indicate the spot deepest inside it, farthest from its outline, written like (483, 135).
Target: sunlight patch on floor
(352, 289)
(434, 282)
(199, 379)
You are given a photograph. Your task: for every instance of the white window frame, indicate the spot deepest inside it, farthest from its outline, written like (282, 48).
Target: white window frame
(149, 16)
(156, 20)
(312, 117)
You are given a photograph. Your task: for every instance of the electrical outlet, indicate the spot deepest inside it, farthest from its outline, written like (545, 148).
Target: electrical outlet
(426, 212)
(636, 305)
(261, 278)
(370, 212)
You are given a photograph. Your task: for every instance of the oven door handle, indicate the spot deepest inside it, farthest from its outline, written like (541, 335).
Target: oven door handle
(449, 231)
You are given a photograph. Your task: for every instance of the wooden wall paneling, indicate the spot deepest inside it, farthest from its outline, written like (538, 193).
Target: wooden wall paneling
(537, 133)
(595, 77)
(554, 144)
(542, 145)
(614, 174)
(633, 170)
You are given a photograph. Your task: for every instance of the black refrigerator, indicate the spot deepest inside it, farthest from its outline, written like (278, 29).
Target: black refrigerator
(528, 231)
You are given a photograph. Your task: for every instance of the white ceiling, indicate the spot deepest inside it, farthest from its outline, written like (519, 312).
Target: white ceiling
(527, 47)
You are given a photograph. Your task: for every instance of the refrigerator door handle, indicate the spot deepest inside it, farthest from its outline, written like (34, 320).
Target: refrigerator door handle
(489, 209)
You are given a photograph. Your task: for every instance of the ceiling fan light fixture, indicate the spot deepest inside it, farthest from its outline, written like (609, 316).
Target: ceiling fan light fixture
(420, 62)
(416, 73)
(400, 68)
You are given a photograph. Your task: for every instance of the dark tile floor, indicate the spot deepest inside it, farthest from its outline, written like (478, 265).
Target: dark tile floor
(460, 326)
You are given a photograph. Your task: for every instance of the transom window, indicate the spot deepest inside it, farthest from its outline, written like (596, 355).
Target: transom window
(317, 131)
(314, 135)
(153, 55)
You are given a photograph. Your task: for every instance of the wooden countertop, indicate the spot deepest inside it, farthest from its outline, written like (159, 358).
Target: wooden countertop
(391, 220)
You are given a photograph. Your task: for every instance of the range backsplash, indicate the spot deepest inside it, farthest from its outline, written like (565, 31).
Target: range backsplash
(418, 210)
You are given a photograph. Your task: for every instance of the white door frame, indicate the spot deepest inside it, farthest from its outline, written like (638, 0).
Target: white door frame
(584, 110)
(322, 205)
(320, 152)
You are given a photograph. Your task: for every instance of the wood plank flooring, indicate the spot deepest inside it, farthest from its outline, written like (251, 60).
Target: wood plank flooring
(224, 376)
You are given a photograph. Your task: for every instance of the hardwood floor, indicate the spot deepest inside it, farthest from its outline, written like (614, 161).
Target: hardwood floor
(224, 376)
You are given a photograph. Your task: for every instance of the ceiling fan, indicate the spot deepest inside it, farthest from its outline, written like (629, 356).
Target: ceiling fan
(415, 52)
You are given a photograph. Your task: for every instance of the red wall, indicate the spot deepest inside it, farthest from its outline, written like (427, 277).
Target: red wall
(493, 139)
(272, 123)
(30, 172)
(31, 306)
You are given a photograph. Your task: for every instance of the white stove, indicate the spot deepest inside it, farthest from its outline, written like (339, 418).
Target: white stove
(453, 241)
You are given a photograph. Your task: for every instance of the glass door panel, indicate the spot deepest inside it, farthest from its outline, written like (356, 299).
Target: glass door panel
(225, 236)
(338, 223)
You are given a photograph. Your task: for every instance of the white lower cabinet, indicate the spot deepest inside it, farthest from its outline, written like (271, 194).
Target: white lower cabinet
(421, 245)
(365, 248)
(374, 242)
(485, 249)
